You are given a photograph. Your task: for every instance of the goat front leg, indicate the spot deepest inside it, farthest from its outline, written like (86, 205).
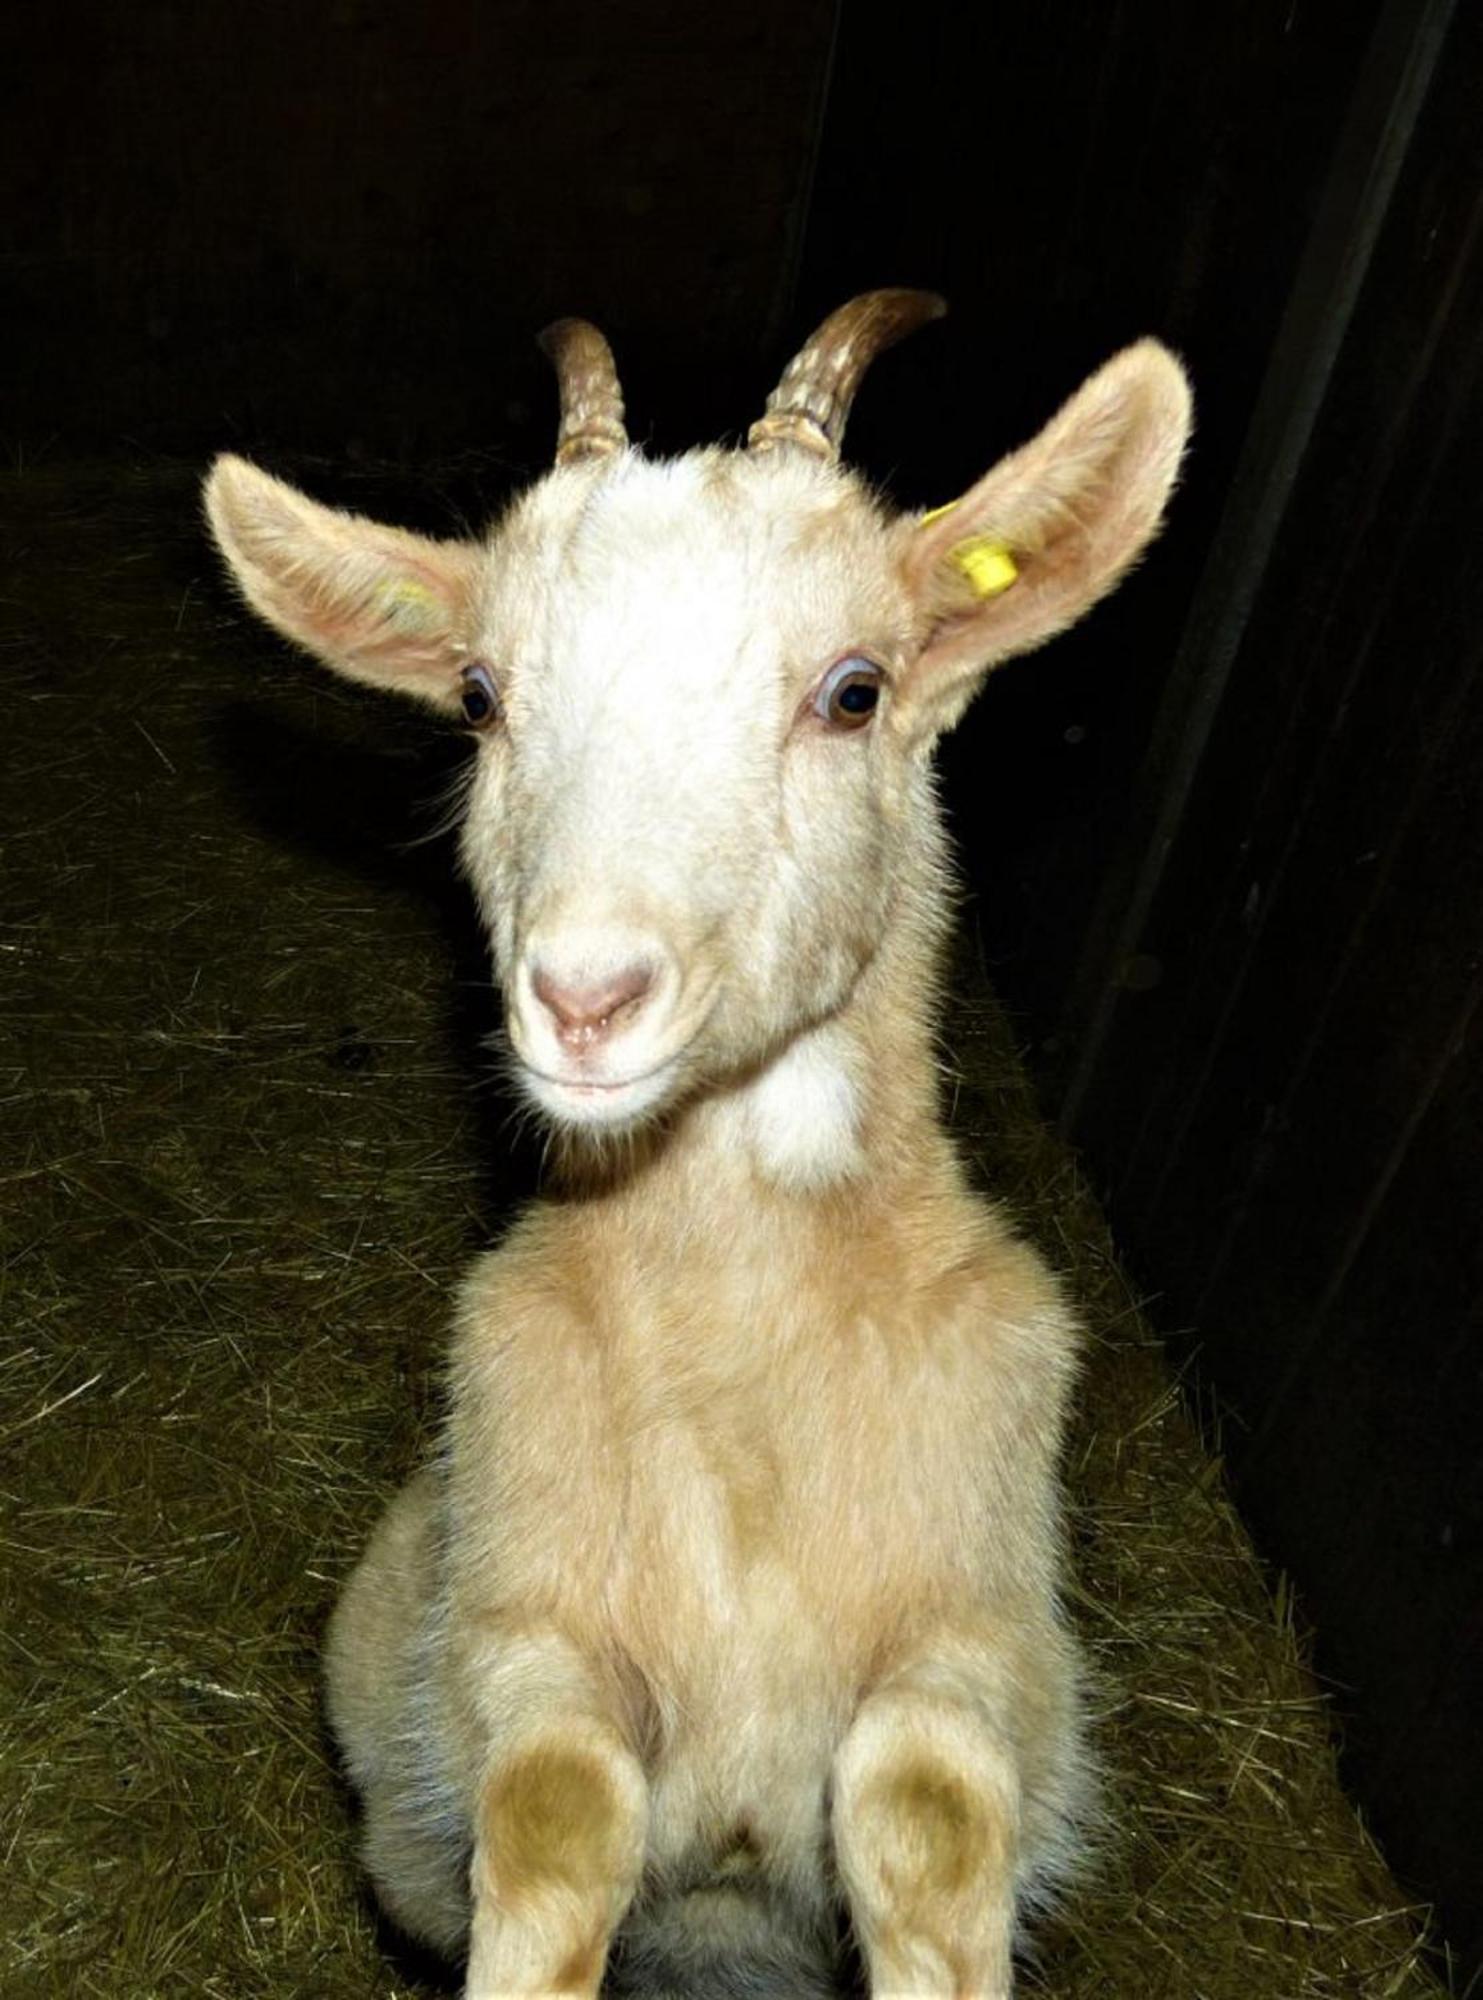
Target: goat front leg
(928, 1823)
(560, 1824)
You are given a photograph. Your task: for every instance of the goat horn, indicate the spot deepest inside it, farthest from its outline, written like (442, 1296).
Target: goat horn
(811, 404)
(591, 399)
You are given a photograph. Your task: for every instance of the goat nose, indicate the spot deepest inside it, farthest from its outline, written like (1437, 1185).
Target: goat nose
(585, 1014)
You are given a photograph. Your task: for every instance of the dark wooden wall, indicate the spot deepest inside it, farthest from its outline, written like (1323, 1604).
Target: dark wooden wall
(1222, 842)
(1283, 1099)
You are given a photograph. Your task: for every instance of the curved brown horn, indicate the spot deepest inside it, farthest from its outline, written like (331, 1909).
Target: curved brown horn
(811, 403)
(591, 399)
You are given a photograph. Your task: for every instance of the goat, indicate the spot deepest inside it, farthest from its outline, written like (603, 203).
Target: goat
(727, 1616)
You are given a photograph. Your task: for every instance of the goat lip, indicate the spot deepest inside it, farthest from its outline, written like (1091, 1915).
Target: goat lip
(591, 1086)
(591, 1101)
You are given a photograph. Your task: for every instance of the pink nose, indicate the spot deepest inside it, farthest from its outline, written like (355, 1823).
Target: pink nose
(585, 1014)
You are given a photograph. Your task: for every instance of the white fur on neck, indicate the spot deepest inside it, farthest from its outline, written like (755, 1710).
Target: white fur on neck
(800, 1119)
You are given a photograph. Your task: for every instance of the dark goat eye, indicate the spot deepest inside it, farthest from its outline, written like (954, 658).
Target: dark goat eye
(479, 697)
(849, 693)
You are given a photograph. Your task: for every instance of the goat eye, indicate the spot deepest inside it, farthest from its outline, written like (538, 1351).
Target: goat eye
(479, 697)
(848, 694)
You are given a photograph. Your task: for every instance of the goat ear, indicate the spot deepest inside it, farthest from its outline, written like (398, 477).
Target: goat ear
(376, 603)
(1044, 535)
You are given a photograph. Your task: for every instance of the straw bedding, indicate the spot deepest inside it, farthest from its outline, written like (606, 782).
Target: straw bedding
(250, 1139)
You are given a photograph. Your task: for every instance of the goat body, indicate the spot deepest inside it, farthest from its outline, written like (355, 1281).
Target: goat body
(729, 1607)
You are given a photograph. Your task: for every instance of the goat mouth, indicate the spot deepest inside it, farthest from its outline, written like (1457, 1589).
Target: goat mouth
(590, 1101)
(588, 1086)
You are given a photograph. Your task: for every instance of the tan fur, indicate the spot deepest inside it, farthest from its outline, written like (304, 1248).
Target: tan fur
(550, 1818)
(735, 1586)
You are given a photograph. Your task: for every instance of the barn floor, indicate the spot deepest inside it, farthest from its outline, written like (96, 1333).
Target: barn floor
(250, 1141)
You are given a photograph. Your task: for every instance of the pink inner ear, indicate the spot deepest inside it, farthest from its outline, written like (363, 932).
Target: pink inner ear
(399, 616)
(377, 603)
(398, 606)
(1076, 507)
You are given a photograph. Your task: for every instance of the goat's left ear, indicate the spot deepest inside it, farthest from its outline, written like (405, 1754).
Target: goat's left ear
(376, 603)
(1040, 538)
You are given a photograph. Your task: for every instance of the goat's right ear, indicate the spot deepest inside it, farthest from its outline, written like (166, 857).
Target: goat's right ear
(1044, 535)
(376, 603)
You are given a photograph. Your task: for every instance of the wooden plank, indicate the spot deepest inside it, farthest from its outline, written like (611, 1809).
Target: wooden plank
(1288, 1116)
(1388, 1528)
(1367, 163)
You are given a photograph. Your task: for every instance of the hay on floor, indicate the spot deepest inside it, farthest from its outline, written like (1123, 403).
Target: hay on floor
(246, 1152)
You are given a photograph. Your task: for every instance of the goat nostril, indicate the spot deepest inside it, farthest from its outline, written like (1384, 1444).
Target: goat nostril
(583, 1014)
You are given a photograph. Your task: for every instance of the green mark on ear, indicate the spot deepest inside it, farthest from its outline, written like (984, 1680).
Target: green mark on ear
(409, 603)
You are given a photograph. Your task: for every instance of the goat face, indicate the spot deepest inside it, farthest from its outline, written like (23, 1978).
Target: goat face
(705, 692)
(686, 817)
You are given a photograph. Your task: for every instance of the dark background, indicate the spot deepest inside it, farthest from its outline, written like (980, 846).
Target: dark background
(1223, 844)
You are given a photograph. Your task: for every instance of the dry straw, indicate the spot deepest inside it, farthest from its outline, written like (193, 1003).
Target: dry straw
(247, 1150)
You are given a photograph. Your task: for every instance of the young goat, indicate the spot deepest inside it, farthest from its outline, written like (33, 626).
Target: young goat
(731, 1601)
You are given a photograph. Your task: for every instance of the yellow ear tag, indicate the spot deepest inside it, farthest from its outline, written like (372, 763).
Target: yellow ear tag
(987, 564)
